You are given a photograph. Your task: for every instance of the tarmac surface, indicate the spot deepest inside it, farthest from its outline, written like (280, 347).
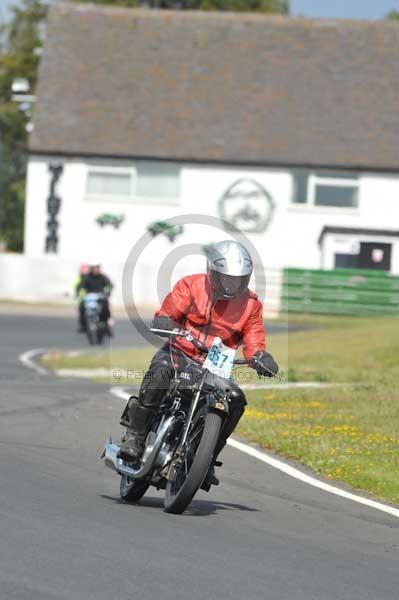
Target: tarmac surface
(64, 534)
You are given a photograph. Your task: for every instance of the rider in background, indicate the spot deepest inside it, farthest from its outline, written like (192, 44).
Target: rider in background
(80, 293)
(96, 282)
(214, 304)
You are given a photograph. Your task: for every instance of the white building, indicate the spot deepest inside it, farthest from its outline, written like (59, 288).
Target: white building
(286, 128)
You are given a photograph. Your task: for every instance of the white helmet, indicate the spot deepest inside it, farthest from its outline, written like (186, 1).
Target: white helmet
(229, 268)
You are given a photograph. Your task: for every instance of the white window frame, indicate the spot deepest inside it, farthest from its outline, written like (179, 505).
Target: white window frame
(107, 170)
(133, 198)
(315, 180)
(165, 200)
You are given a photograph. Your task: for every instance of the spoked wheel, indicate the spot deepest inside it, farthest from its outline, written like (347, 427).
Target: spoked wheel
(189, 471)
(131, 490)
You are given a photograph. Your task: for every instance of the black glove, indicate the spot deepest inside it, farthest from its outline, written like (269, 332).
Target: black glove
(264, 364)
(161, 322)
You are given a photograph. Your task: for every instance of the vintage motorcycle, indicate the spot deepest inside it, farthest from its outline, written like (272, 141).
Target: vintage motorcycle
(179, 448)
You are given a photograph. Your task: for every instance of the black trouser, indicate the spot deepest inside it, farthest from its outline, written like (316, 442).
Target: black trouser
(157, 380)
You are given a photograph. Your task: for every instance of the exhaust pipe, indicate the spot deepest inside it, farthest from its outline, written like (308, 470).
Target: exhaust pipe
(112, 461)
(110, 454)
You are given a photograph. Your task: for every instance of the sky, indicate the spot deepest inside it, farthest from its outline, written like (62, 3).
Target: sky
(4, 4)
(347, 9)
(352, 9)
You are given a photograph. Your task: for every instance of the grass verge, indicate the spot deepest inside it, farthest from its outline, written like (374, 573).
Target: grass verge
(348, 433)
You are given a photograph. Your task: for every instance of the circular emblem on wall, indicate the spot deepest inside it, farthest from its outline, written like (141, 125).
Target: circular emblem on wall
(247, 206)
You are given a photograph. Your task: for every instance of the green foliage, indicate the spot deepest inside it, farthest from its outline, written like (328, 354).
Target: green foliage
(265, 6)
(125, 3)
(393, 15)
(19, 57)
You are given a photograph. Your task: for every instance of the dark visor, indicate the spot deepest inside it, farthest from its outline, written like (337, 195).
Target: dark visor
(229, 286)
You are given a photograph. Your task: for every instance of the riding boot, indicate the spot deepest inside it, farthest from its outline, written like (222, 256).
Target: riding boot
(132, 446)
(210, 479)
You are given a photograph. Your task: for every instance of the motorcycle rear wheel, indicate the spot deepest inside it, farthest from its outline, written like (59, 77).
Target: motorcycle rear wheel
(132, 490)
(186, 479)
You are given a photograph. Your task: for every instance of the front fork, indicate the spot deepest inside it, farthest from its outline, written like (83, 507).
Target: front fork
(187, 425)
(214, 403)
(178, 457)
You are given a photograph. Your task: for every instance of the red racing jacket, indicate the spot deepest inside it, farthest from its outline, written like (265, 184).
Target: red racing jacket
(236, 321)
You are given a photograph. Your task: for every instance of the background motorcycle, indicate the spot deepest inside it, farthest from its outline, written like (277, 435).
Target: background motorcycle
(96, 327)
(179, 448)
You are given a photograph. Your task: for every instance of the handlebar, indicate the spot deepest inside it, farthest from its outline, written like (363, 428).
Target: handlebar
(187, 335)
(182, 333)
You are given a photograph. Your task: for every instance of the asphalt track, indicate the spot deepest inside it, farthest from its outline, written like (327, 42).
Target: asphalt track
(64, 534)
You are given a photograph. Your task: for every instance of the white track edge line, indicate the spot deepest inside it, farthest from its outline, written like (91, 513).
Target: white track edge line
(26, 358)
(317, 483)
(120, 392)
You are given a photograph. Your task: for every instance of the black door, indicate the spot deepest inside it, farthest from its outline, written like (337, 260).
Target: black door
(374, 255)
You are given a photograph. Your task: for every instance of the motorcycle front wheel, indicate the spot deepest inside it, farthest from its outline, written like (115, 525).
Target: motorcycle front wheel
(91, 331)
(132, 490)
(187, 474)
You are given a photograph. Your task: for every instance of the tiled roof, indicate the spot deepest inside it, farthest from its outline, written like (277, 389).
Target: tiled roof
(206, 86)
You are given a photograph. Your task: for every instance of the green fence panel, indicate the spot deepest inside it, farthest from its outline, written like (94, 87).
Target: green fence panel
(340, 291)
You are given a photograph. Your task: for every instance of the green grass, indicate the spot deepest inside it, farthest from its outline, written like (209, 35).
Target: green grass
(348, 433)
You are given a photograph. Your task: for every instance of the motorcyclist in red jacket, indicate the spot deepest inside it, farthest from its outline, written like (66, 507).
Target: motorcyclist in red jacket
(215, 304)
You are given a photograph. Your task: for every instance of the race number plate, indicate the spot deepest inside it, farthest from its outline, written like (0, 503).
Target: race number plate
(220, 359)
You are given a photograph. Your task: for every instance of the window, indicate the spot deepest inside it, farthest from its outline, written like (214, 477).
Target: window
(327, 188)
(157, 180)
(146, 181)
(300, 195)
(100, 183)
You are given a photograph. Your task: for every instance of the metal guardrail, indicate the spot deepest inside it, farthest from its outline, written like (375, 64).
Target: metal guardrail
(340, 291)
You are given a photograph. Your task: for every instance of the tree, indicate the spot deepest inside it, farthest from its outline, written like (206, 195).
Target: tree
(265, 6)
(19, 57)
(393, 15)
